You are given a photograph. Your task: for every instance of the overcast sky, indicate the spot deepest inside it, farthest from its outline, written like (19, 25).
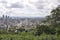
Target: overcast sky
(27, 8)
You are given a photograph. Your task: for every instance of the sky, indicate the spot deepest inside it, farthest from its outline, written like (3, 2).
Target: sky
(27, 8)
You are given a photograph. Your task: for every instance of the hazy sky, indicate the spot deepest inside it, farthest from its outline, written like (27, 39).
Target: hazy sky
(27, 8)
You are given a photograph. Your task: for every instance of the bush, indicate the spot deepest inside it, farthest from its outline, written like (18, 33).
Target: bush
(50, 30)
(45, 29)
(3, 32)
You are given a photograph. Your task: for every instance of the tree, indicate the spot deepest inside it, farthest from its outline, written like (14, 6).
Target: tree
(54, 18)
(56, 15)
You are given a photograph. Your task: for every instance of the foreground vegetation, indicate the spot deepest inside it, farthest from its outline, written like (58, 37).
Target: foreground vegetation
(29, 36)
(42, 32)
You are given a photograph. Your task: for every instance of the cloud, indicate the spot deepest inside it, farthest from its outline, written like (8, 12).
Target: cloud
(16, 5)
(3, 1)
(28, 8)
(58, 2)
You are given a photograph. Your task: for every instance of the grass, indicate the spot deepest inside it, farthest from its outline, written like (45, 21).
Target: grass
(28, 36)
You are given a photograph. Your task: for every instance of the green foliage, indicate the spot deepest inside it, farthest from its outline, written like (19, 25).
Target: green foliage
(28, 36)
(54, 17)
(3, 32)
(50, 30)
(54, 20)
(45, 29)
(43, 32)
